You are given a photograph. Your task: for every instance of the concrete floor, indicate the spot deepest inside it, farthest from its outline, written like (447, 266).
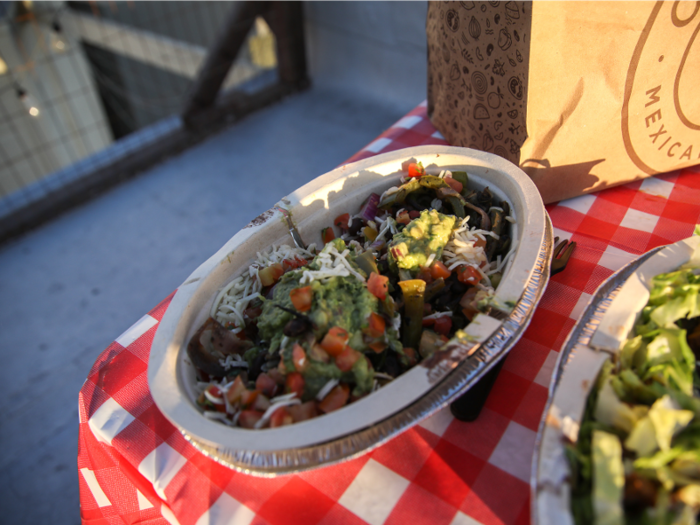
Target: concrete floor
(71, 287)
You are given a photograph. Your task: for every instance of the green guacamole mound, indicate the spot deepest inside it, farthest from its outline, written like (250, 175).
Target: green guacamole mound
(337, 301)
(423, 236)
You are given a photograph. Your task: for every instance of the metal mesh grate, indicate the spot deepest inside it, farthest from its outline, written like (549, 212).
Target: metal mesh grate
(83, 84)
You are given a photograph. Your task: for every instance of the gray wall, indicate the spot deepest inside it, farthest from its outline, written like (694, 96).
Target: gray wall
(377, 49)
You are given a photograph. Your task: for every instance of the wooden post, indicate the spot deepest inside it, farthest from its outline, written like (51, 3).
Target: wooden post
(286, 21)
(221, 57)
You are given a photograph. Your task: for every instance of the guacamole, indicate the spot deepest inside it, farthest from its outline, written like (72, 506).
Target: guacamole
(337, 301)
(423, 236)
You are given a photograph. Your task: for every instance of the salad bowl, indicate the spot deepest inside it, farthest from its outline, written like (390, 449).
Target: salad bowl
(405, 401)
(600, 337)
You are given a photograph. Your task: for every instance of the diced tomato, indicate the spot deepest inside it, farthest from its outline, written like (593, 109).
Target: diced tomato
(468, 275)
(416, 169)
(276, 376)
(427, 308)
(425, 275)
(376, 325)
(214, 398)
(480, 243)
(248, 418)
(334, 341)
(413, 214)
(261, 402)
(438, 269)
(335, 399)
(303, 412)
(454, 184)
(281, 417)
(248, 397)
(345, 359)
(428, 322)
(378, 285)
(270, 274)
(301, 298)
(468, 303)
(295, 383)
(378, 346)
(235, 391)
(293, 264)
(443, 325)
(341, 221)
(301, 363)
(411, 355)
(327, 234)
(403, 217)
(370, 233)
(215, 392)
(266, 384)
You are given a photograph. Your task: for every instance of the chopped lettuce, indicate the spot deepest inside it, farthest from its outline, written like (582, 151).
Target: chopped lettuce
(608, 478)
(637, 457)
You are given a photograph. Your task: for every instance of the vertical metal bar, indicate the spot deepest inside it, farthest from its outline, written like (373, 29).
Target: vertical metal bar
(286, 19)
(222, 55)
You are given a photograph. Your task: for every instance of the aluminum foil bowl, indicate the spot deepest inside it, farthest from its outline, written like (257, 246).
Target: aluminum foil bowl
(605, 324)
(370, 421)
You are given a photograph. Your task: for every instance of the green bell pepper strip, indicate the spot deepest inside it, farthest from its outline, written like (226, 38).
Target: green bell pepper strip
(399, 196)
(414, 299)
(367, 263)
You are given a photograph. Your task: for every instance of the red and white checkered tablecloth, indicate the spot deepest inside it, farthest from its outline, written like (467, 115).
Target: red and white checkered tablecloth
(135, 467)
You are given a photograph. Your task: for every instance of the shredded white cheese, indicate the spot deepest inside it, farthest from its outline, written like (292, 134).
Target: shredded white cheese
(268, 413)
(332, 264)
(437, 315)
(233, 361)
(326, 389)
(235, 297)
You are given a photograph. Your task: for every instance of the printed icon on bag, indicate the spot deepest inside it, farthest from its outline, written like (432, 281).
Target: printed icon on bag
(480, 112)
(494, 99)
(504, 39)
(512, 12)
(452, 19)
(479, 82)
(474, 28)
(498, 68)
(515, 86)
(488, 142)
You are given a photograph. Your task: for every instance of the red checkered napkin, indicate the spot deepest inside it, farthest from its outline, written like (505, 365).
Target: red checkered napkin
(135, 467)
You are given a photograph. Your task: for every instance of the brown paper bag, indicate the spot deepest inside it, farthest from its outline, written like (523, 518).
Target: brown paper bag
(582, 95)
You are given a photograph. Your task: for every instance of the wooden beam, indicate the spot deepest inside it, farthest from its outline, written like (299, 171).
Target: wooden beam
(286, 20)
(221, 57)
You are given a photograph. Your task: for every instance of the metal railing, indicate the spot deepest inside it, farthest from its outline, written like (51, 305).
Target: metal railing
(92, 93)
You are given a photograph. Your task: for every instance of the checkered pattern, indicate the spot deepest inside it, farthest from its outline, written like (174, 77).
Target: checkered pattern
(135, 467)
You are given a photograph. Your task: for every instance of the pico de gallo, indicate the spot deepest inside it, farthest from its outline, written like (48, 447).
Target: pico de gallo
(303, 332)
